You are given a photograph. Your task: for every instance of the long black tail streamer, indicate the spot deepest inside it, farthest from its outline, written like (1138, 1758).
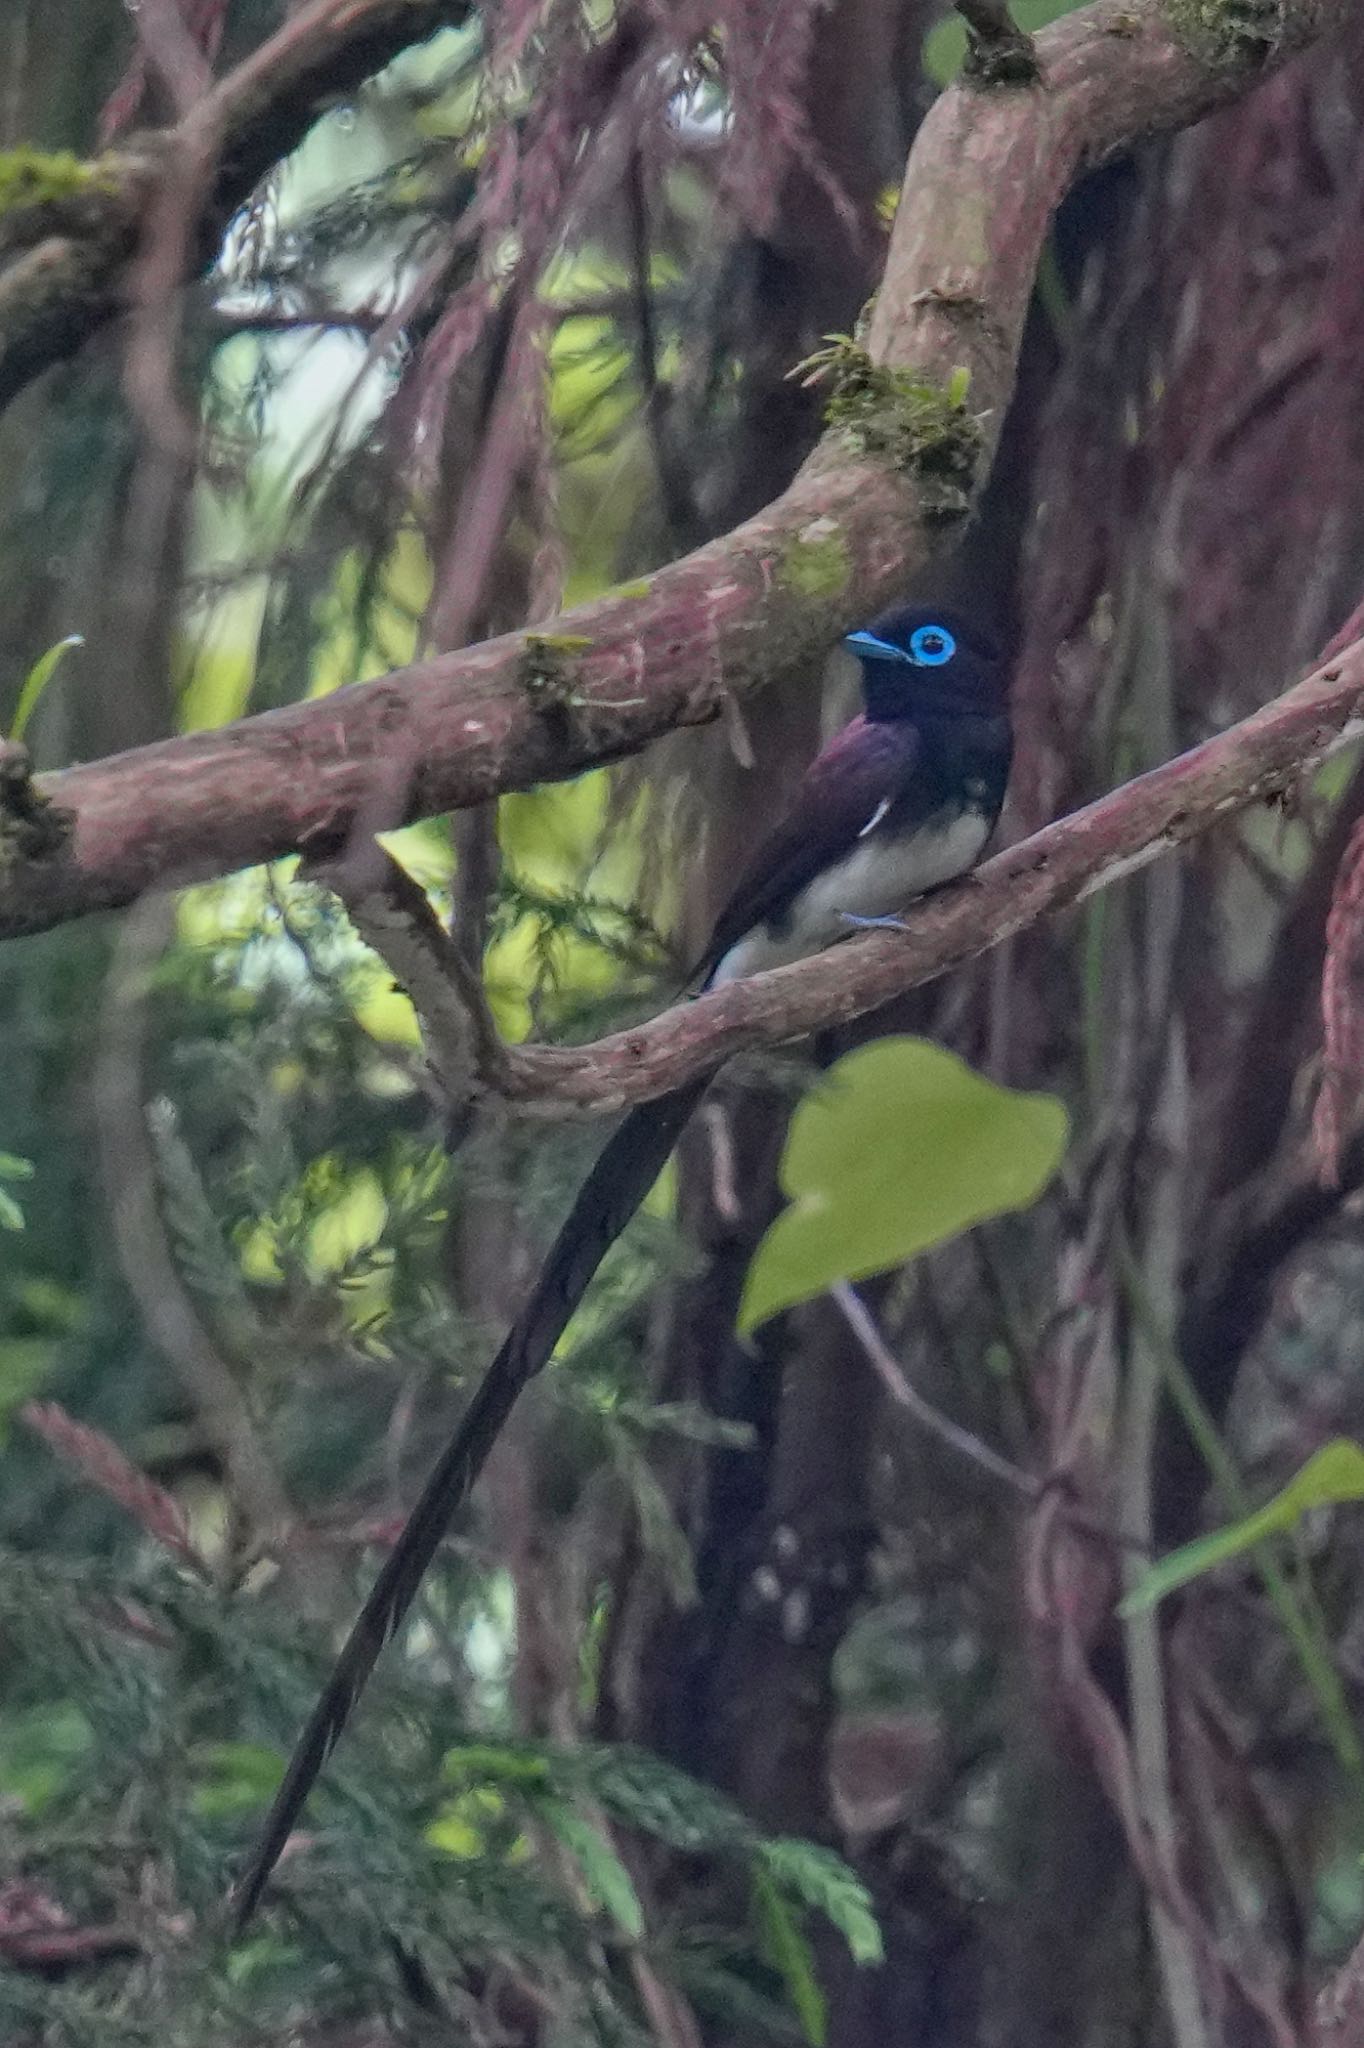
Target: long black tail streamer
(626, 1169)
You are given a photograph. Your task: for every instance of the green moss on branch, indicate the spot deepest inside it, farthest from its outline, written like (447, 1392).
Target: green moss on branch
(1230, 35)
(815, 562)
(548, 669)
(920, 426)
(37, 177)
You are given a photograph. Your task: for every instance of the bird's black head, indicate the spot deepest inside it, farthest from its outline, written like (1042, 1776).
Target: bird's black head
(923, 658)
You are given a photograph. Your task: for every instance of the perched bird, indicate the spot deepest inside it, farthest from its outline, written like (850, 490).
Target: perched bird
(903, 799)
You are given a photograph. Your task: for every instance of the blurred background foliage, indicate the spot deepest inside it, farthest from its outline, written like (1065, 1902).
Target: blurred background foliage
(737, 1710)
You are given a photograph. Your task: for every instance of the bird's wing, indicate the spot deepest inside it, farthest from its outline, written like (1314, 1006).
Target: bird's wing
(840, 796)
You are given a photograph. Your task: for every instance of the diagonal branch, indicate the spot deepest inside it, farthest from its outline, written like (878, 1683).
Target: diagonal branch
(170, 51)
(393, 915)
(1262, 757)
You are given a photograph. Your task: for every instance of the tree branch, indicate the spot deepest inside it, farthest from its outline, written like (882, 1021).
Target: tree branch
(863, 516)
(393, 915)
(258, 113)
(171, 53)
(1262, 757)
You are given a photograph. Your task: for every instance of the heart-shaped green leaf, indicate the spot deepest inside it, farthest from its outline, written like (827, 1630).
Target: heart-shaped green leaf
(901, 1147)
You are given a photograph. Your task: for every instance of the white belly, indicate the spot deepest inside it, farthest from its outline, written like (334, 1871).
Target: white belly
(873, 879)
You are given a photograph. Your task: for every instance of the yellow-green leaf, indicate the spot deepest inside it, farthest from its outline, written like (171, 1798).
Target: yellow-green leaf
(1331, 1475)
(604, 1874)
(37, 680)
(900, 1148)
(789, 1953)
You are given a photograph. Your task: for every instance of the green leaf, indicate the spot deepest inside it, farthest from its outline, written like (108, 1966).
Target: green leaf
(823, 1880)
(786, 1948)
(1333, 1474)
(37, 680)
(902, 1148)
(464, 1825)
(40, 1747)
(501, 1762)
(241, 1776)
(25, 1363)
(12, 1167)
(604, 1874)
(657, 1799)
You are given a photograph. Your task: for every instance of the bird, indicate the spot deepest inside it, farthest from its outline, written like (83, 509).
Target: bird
(903, 799)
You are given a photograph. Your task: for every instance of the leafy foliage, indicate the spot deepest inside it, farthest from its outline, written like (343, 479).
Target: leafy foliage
(151, 1791)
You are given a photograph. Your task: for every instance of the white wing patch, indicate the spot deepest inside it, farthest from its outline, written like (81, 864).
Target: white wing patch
(875, 818)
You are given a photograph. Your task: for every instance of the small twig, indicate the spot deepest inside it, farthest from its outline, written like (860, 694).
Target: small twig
(888, 1370)
(171, 52)
(224, 325)
(104, 1466)
(1103, 1735)
(394, 916)
(724, 1185)
(168, 1314)
(61, 1948)
(967, 1445)
(1160, 1258)
(674, 483)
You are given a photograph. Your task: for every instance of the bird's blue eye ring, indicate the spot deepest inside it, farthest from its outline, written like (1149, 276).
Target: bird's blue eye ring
(931, 646)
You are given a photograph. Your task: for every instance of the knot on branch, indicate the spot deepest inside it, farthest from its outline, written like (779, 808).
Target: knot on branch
(923, 427)
(998, 51)
(547, 673)
(31, 825)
